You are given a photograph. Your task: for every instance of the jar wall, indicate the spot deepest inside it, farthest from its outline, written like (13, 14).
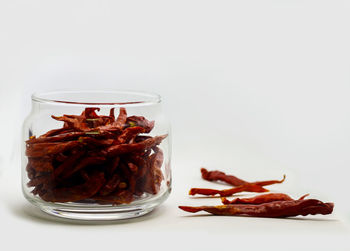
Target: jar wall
(95, 169)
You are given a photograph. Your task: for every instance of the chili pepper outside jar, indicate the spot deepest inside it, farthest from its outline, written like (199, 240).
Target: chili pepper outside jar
(96, 155)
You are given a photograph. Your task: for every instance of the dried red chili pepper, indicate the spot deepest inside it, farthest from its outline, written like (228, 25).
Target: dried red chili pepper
(89, 113)
(135, 147)
(248, 187)
(76, 193)
(233, 180)
(154, 176)
(140, 121)
(95, 157)
(129, 134)
(84, 162)
(68, 163)
(221, 176)
(46, 149)
(259, 199)
(111, 115)
(111, 185)
(276, 209)
(269, 182)
(55, 132)
(40, 164)
(56, 138)
(122, 117)
(39, 180)
(74, 122)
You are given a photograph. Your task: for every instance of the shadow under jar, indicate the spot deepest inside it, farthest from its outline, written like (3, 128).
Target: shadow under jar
(96, 155)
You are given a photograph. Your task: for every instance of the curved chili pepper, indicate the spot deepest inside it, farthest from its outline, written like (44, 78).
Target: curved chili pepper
(275, 209)
(67, 136)
(221, 176)
(233, 180)
(76, 123)
(55, 132)
(135, 147)
(140, 121)
(129, 134)
(259, 199)
(248, 187)
(68, 163)
(269, 182)
(46, 149)
(89, 113)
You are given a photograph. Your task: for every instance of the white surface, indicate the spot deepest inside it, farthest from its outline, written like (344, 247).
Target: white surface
(260, 88)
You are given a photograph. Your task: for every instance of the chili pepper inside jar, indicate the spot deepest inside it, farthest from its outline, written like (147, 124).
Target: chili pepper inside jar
(96, 155)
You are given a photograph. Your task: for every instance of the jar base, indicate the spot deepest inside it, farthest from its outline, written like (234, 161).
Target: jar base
(85, 212)
(87, 215)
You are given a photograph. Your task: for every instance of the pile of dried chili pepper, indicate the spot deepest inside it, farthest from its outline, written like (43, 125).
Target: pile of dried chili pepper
(265, 205)
(97, 158)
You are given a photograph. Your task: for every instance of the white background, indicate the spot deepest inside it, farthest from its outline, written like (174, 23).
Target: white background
(256, 88)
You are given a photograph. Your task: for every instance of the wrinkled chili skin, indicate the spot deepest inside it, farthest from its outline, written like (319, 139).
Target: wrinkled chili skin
(138, 147)
(248, 187)
(221, 176)
(95, 157)
(259, 199)
(275, 209)
(233, 180)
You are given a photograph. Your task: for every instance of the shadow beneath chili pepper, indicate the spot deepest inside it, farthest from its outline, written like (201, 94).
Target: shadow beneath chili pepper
(297, 218)
(29, 212)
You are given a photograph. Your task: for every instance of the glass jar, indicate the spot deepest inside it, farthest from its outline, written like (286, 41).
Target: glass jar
(96, 155)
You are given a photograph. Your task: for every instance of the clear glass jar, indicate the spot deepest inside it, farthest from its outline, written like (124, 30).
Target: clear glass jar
(96, 155)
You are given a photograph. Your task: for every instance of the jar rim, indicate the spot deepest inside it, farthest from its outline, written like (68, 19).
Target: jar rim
(97, 97)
